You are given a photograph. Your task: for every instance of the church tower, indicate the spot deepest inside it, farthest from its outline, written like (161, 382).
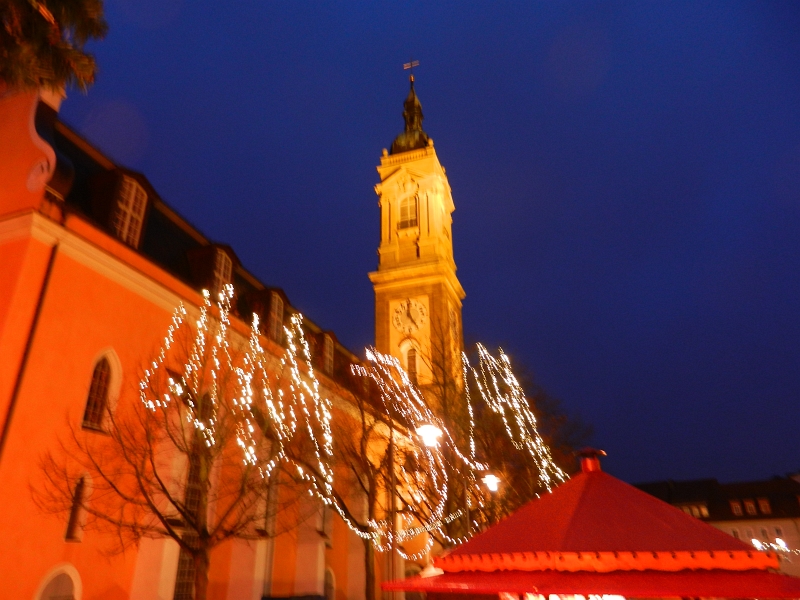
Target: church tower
(417, 294)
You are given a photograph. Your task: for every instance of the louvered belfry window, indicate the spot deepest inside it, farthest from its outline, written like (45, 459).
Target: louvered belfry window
(129, 214)
(408, 213)
(411, 358)
(97, 400)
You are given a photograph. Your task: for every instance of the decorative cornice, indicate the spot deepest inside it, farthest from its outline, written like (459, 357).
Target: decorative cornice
(42, 229)
(604, 562)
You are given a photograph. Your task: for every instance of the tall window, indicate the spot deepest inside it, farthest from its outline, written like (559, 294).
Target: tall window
(750, 507)
(330, 585)
(411, 359)
(60, 587)
(223, 268)
(408, 212)
(736, 508)
(184, 579)
(764, 507)
(276, 317)
(327, 354)
(98, 396)
(76, 512)
(129, 214)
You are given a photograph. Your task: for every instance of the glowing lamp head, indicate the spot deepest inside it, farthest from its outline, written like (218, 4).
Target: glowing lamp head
(430, 435)
(492, 482)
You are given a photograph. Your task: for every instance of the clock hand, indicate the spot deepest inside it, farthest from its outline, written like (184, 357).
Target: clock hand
(408, 314)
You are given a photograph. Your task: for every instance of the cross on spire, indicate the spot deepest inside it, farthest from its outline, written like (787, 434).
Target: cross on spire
(410, 67)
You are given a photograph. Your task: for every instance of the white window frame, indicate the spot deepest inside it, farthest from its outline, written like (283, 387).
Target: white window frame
(327, 354)
(129, 211)
(764, 506)
(223, 270)
(275, 321)
(408, 213)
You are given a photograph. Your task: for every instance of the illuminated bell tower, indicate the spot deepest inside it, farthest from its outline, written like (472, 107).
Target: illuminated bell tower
(417, 294)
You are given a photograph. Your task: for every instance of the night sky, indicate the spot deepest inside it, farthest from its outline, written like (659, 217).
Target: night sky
(626, 178)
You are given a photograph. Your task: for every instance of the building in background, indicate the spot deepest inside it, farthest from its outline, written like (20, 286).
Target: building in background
(755, 510)
(92, 264)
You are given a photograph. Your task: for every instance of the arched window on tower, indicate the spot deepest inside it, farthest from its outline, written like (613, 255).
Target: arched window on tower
(411, 365)
(408, 212)
(97, 401)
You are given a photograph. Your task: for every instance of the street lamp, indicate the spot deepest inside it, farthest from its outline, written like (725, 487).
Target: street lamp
(430, 435)
(492, 482)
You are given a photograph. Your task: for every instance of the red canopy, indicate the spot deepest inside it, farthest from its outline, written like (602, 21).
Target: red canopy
(636, 584)
(595, 534)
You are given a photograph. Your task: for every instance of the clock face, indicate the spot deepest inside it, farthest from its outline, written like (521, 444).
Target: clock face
(409, 316)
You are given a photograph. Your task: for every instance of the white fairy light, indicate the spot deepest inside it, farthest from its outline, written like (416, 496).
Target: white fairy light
(291, 404)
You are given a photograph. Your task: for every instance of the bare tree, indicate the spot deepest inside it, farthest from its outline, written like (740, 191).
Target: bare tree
(182, 460)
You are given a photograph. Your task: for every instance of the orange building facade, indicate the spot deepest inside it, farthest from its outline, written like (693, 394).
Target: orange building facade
(92, 264)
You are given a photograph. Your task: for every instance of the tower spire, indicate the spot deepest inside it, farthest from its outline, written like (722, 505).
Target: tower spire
(413, 137)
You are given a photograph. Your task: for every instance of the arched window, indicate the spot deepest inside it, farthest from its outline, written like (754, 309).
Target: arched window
(408, 212)
(62, 583)
(330, 584)
(75, 523)
(97, 400)
(411, 365)
(59, 588)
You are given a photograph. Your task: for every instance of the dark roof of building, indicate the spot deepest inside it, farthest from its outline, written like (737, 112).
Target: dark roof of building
(85, 180)
(782, 496)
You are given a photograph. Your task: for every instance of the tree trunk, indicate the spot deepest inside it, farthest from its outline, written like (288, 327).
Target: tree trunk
(201, 564)
(369, 569)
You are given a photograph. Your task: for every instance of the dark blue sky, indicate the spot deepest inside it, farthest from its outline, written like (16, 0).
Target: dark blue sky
(626, 178)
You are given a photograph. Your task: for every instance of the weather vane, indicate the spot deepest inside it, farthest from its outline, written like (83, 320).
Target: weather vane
(410, 66)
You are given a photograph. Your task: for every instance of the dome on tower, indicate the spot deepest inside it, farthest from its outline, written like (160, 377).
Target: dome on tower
(413, 137)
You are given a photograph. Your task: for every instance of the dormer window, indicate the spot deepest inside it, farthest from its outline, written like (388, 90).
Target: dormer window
(223, 270)
(327, 354)
(275, 321)
(129, 212)
(408, 213)
(764, 506)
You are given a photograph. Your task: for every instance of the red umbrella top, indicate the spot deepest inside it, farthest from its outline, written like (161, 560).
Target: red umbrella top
(598, 535)
(595, 522)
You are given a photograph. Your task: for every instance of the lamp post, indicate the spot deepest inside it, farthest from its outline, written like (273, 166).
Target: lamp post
(492, 482)
(430, 434)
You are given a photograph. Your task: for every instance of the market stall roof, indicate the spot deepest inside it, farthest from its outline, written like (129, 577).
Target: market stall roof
(636, 584)
(598, 535)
